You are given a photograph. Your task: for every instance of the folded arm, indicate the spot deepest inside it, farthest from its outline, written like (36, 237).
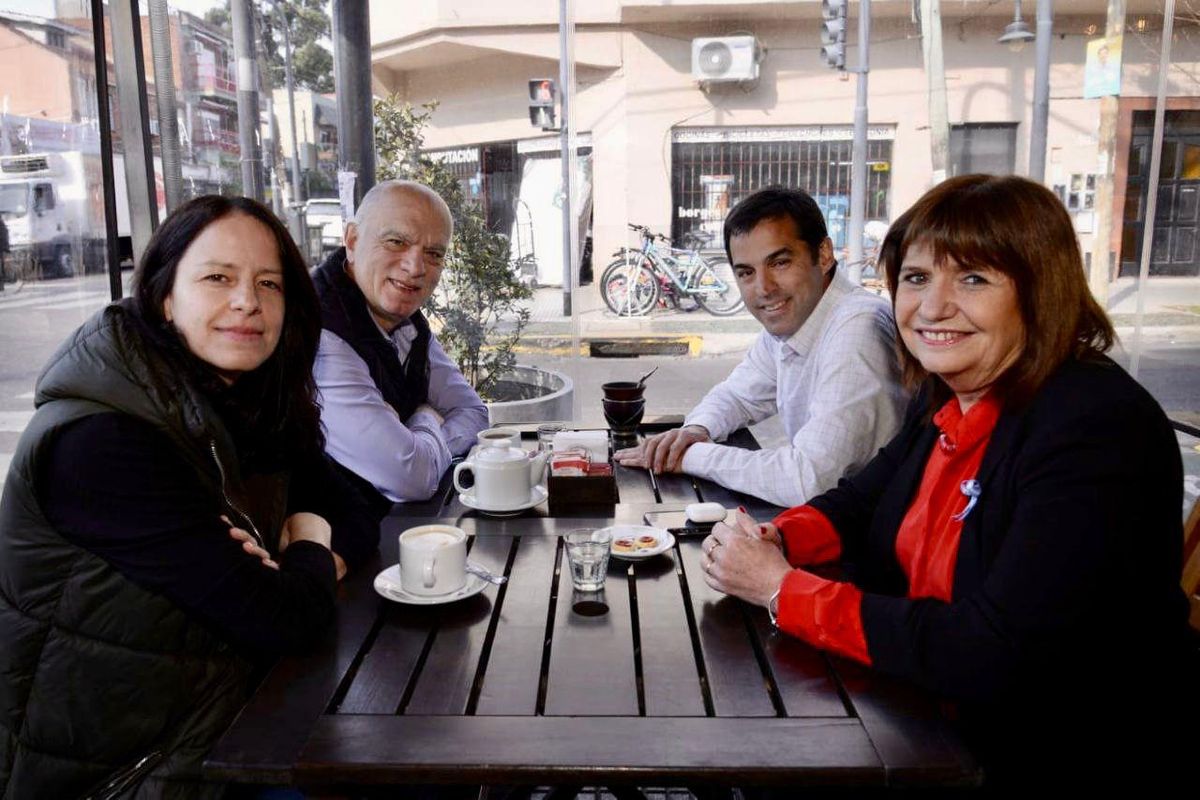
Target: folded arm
(403, 459)
(136, 503)
(854, 407)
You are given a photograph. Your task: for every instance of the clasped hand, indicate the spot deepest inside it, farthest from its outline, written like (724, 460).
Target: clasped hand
(745, 559)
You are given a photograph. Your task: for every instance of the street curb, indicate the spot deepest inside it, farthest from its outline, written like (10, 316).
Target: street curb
(608, 346)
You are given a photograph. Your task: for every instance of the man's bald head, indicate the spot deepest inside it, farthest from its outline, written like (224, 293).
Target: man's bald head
(396, 247)
(377, 194)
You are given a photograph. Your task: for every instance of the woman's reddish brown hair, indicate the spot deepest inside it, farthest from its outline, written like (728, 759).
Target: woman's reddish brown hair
(1021, 229)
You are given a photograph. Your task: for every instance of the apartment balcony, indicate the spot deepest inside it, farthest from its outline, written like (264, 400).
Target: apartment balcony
(214, 82)
(226, 141)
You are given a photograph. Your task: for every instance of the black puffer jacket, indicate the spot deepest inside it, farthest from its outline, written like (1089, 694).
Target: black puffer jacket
(95, 671)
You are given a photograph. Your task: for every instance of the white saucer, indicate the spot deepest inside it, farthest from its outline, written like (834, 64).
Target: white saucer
(387, 584)
(537, 496)
(664, 540)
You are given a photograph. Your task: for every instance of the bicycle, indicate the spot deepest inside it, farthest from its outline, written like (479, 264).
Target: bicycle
(632, 284)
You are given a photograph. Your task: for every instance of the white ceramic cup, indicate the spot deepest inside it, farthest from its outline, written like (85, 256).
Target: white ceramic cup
(433, 559)
(499, 437)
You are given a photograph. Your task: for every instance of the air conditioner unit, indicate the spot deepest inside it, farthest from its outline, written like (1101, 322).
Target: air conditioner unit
(725, 58)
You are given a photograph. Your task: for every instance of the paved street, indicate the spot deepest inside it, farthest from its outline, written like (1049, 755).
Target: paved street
(35, 317)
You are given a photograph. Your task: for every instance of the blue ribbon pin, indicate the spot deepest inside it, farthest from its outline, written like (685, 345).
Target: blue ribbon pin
(971, 490)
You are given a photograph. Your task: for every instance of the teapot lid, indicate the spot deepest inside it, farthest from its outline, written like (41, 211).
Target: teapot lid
(500, 455)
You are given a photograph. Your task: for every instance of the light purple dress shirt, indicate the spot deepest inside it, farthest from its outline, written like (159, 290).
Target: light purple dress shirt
(403, 459)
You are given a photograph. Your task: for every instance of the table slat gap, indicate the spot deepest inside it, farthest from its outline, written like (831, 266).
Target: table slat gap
(802, 675)
(510, 684)
(418, 668)
(339, 695)
(764, 666)
(734, 680)
(635, 629)
(548, 642)
(590, 672)
(449, 670)
(490, 636)
(694, 633)
(843, 692)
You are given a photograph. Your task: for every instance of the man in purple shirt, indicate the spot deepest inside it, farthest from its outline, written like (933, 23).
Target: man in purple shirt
(394, 407)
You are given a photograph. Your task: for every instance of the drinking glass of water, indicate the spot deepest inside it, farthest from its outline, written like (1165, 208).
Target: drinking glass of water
(587, 553)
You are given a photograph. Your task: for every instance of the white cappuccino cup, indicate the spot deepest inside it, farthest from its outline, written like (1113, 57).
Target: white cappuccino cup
(433, 559)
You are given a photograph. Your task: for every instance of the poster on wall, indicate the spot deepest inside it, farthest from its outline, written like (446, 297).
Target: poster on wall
(1102, 72)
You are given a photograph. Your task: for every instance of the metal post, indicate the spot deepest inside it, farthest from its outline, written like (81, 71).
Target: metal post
(858, 167)
(1041, 92)
(297, 184)
(566, 74)
(939, 117)
(164, 85)
(247, 98)
(273, 169)
(1160, 113)
(1101, 267)
(112, 234)
(133, 109)
(352, 82)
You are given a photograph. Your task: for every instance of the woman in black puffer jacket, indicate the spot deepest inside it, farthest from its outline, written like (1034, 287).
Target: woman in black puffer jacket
(169, 523)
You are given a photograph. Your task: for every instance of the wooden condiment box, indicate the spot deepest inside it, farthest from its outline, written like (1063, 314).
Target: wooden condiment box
(575, 494)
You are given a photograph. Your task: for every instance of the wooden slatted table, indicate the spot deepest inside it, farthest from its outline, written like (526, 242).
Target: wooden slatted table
(675, 685)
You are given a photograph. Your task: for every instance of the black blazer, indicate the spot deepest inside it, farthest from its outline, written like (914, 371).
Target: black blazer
(1066, 589)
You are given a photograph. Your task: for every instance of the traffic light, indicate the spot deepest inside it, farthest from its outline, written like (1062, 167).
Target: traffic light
(541, 103)
(833, 33)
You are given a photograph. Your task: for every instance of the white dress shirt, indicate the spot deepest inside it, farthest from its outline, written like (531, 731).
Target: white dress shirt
(403, 459)
(835, 385)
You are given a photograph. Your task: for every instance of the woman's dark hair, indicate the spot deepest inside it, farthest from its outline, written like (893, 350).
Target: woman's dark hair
(1019, 228)
(280, 394)
(776, 202)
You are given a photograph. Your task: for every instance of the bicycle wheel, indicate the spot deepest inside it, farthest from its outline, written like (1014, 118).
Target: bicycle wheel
(717, 291)
(629, 287)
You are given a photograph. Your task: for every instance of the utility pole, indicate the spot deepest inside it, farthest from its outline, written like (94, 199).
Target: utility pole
(939, 117)
(352, 82)
(296, 212)
(566, 78)
(1041, 92)
(1160, 112)
(247, 99)
(164, 84)
(297, 184)
(858, 169)
(1099, 274)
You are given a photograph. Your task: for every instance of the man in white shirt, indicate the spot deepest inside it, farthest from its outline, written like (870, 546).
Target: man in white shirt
(394, 407)
(825, 363)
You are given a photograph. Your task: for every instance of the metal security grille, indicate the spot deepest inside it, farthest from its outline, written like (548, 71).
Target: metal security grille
(710, 177)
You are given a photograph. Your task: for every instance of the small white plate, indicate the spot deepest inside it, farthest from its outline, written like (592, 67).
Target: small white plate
(665, 541)
(387, 584)
(537, 496)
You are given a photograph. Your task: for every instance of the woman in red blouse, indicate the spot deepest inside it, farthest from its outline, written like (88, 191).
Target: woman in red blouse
(1016, 548)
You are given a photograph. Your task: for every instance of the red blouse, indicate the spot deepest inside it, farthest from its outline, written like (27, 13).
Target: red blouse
(827, 613)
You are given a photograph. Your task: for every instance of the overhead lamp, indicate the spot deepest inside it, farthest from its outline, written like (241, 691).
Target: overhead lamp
(1016, 33)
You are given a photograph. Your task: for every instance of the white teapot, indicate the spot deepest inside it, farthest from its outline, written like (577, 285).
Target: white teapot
(504, 477)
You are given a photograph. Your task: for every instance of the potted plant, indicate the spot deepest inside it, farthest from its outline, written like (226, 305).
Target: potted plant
(480, 308)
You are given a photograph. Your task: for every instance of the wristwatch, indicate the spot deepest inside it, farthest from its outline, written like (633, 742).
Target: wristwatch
(773, 606)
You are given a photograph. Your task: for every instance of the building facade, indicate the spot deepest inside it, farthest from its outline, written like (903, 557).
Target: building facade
(673, 151)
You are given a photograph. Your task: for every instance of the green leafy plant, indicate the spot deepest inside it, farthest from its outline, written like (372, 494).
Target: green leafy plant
(479, 307)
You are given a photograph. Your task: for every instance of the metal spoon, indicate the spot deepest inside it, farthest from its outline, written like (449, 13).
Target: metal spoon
(642, 380)
(480, 572)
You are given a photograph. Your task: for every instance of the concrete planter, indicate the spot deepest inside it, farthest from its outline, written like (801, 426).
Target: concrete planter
(539, 395)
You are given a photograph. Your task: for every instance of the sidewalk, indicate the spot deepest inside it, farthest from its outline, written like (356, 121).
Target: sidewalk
(1171, 311)
(1170, 308)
